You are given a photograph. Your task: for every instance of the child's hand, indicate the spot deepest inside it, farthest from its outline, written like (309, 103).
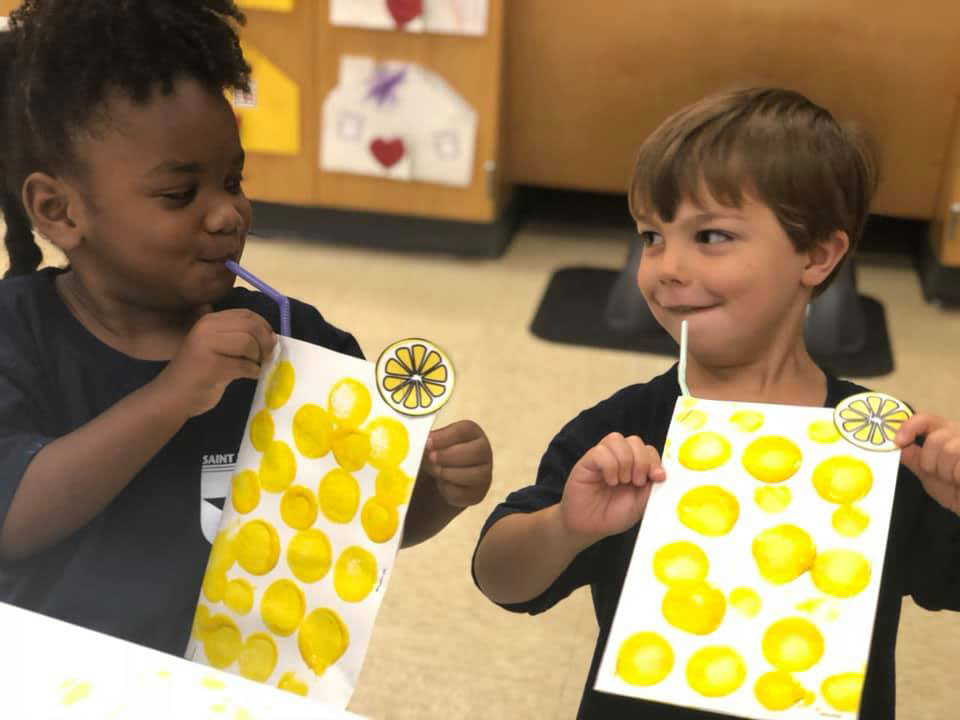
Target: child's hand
(220, 348)
(459, 458)
(607, 490)
(937, 463)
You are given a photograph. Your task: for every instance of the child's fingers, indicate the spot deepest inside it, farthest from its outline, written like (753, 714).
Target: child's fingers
(456, 433)
(469, 454)
(933, 447)
(621, 449)
(919, 424)
(602, 461)
(948, 464)
(645, 461)
(236, 344)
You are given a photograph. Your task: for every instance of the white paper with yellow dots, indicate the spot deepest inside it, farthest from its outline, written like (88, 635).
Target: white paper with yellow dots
(312, 525)
(754, 581)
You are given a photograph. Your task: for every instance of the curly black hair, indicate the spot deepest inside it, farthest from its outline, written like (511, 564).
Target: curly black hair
(60, 59)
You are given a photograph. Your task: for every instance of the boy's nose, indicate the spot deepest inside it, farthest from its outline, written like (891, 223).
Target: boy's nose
(674, 265)
(225, 219)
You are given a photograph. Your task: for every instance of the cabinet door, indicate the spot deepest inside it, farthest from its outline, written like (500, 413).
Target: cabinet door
(946, 225)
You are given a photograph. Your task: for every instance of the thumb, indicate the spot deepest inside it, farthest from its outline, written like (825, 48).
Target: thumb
(910, 456)
(914, 427)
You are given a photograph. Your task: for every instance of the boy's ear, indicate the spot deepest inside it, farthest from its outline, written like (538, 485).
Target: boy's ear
(824, 256)
(55, 209)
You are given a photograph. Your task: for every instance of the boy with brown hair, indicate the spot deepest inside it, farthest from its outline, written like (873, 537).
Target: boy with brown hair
(746, 203)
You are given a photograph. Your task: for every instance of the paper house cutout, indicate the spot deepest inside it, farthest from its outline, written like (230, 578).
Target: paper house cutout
(398, 121)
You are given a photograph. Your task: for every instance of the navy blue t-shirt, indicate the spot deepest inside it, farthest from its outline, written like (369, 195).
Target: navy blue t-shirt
(922, 560)
(135, 570)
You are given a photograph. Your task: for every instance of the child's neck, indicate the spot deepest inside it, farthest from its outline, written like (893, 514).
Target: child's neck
(788, 376)
(141, 332)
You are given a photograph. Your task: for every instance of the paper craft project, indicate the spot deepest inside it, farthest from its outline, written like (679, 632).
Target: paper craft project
(269, 115)
(310, 531)
(399, 121)
(57, 671)
(753, 585)
(457, 17)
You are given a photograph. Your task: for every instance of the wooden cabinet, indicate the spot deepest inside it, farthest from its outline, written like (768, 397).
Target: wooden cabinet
(946, 226)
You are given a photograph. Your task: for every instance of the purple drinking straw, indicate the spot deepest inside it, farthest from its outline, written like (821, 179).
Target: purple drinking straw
(279, 299)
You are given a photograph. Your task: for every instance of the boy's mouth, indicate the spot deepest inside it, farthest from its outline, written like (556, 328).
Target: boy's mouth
(220, 259)
(687, 309)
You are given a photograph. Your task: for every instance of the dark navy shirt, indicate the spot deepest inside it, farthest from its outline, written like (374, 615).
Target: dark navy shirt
(135, 570)
(922, 559)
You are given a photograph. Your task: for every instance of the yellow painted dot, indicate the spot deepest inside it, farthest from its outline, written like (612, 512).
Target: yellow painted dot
(322, 640)
(393, 486)
(680, 562)
(351, 448)
(772, 498)
(309, 555)
(809, 606)
(282, 607)
(793, 645)
(783, 553)
(312, 428)
(716, 671)
(257, 547)
(389, 442)
(840, 573)
(339, 496)
(258, 658)
(380, 520)
(261, 430)
(694, 607)
(842, 691)
(709, 509)
(349, 403)
(76, 693)
(704, 451)
(745, 601)
(245, 491)
(692, 419)
(214, 585)
(222, 642)
(747, 420)
(222, 554)
(298, 508)
(290, 683)
(212, 683)
(239, 596)
(644, 659)
(850, 521)
(686, 402)
(278, 467)
(778, 690)
(201, 621)
(823, 431)
(218, 708)
(355, 574)
(842, 479)
(772, 458)
(280, 385)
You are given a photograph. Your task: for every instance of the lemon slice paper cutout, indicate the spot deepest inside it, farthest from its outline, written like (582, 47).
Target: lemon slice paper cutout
(415, 377)
(871, 420)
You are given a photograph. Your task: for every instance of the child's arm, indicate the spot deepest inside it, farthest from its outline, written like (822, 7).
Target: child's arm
(606, 493)
(456, 473)
(71, 480)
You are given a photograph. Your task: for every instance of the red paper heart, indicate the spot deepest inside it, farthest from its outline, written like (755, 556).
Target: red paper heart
(404, 11)
(388, 152)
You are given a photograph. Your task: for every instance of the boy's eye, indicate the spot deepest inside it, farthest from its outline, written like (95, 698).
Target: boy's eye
(181, 197)
(713, 237)
(649, 238)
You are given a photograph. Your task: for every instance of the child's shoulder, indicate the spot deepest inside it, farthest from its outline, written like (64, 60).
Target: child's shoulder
(306, 322)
